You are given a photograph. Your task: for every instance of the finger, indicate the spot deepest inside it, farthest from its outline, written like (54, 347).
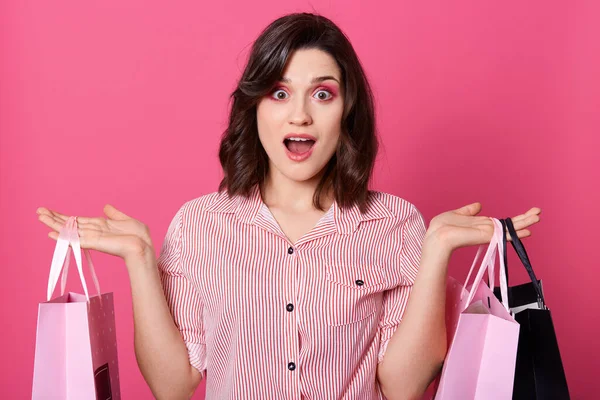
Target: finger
(88, 236)
(51, 222)
(469, 209)
(532, 211)
(112, 213)
(86, 232)
(526, 222)
(59, 216)
(89, 225)
(520, 234)
(42, 210)
(52, 213)
(91, 220)
(83, 241)
(45, 211)
(98, 222)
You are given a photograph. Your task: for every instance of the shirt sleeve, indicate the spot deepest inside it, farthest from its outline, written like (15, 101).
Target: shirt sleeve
(408, 238)
(181, 294)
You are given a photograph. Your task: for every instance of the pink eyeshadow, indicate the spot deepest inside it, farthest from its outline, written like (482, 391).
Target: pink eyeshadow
(330, 89)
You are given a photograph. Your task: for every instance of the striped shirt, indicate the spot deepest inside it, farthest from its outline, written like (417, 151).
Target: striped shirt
(263, 318)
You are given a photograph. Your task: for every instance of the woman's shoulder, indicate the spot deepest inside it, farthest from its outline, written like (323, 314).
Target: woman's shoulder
(398, 206)
(210, 202)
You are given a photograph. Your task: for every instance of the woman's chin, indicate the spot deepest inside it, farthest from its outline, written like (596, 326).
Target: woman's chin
(303, 173)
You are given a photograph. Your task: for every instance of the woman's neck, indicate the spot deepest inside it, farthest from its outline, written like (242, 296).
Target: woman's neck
(286, 194)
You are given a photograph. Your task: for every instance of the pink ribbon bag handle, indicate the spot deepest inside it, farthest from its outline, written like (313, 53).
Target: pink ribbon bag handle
(68, 239)
(488, 263)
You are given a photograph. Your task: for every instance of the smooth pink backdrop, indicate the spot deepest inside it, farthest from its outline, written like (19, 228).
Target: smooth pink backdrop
(123, 102)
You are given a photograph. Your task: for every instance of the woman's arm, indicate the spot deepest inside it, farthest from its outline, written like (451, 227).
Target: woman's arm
(159, 348)
(417, 349)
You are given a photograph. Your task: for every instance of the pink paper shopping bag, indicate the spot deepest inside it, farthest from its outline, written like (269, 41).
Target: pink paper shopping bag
(76, 347)
(482, 334)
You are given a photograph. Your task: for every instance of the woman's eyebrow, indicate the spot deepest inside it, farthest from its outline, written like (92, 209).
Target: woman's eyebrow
(314, 80)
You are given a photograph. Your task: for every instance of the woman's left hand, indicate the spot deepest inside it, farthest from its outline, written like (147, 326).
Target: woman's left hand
(463, 227)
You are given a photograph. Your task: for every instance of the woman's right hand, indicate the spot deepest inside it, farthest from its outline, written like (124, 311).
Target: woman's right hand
(118, 234)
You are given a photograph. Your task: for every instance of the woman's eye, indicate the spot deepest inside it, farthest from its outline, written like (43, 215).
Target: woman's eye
(323, 95)
(280, 94)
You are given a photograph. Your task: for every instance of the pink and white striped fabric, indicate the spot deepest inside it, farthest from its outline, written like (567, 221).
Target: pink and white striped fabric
(263, 318)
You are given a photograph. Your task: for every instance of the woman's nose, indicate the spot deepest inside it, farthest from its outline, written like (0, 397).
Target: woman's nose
(300, 113)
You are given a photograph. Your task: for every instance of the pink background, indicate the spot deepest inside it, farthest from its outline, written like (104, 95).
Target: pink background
(123, 102)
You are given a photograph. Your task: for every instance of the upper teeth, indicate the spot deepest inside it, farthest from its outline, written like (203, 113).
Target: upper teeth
(298, 139)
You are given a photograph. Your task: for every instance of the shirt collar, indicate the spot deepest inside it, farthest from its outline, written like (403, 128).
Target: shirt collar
(246, 209)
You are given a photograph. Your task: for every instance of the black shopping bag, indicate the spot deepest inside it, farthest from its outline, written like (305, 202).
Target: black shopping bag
(539, 373)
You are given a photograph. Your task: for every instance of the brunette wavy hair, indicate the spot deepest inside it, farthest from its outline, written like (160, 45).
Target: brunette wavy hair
(243, 159)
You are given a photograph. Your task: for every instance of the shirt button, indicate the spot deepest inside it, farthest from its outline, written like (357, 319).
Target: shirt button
(291, 366)
(290, 307)
(359, 282)
(290, 250)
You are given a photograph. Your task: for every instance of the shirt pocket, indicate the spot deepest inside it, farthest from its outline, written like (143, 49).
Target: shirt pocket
(352, 293)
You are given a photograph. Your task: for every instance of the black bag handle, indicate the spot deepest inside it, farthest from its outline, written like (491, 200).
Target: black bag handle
(504, 252)
(522, 253)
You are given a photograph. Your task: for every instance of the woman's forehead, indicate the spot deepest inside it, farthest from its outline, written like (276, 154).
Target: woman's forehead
(310, 66)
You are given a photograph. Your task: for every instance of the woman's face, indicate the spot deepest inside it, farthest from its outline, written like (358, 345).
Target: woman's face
(299, 123)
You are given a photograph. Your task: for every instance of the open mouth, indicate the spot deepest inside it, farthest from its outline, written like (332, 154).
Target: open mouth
(298, 145)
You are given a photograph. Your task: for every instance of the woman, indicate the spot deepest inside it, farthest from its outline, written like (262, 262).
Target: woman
(293, 280)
